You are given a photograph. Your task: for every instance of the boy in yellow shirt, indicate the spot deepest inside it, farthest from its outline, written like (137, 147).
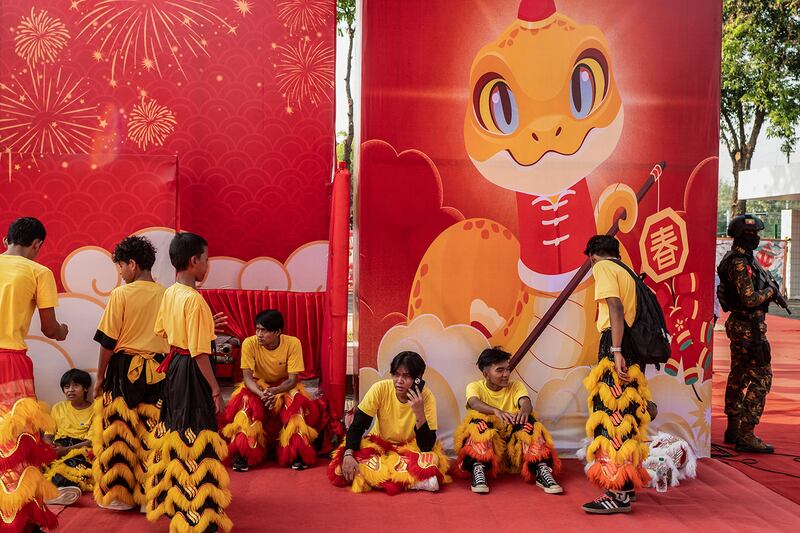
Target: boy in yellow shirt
(24, 286)
(129, 386)
(185, 478)
(72, 471)
(500, 432)
(618, 391)
(271, 401)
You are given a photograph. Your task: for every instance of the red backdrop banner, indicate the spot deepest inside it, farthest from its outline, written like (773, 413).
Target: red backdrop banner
(241, 91)
(494, 147)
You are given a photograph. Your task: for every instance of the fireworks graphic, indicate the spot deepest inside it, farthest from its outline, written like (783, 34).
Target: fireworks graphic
(128, 31)
(44, 112)
(244, 7)
(304, 15)
(150, 123)
(305, 72)
(40, 37)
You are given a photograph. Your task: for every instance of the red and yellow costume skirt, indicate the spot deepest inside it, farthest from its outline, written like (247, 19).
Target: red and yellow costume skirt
(73, 469)
(293, 424)
(617, 425)
(23, 487)
(391, 467)
(186, 480)
(125, 418)
(502, 447)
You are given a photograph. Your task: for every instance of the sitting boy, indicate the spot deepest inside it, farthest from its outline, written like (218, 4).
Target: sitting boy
(500, 432)
(271, 402)
(71, 473)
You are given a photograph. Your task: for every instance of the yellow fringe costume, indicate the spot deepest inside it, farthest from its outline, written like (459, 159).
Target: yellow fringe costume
(486, 439)
(390, 467)
(617, 427)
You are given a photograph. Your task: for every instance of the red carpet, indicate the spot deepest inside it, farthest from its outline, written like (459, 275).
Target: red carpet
(780, 424)
(740, 492)
(273, 499)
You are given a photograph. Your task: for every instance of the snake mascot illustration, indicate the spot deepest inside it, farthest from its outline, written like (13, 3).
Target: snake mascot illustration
(545, 111)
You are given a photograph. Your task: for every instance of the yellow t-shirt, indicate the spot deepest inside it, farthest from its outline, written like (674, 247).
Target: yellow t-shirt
(71, 422)
(273, 365)
(506, 399)
(185, 320)
(130, 318)
(394, 420)
(24, 286)
(611, 280)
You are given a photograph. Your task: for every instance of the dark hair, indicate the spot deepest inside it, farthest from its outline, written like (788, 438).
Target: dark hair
(77, 376)
(604, 245)
(492, 356)
(23, 231)
(270, 320)
(135, 248)
(411, 360)
(183, 247)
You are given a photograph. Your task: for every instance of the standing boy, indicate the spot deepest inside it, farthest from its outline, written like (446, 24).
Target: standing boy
(185, 478)
(24, 286)
(618, 392)
(500, 432)
(129, 386)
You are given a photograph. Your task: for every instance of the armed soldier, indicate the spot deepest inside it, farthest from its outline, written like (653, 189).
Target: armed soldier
(746, 291)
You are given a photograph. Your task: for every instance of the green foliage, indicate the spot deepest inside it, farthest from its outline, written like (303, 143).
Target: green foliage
(345, 15)
(760, 76)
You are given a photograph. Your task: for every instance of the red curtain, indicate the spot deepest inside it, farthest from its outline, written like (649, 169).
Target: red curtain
(303, 314)
(334, 349)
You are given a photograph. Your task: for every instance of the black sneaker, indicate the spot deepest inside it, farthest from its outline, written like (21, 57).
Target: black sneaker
(240, 464)
(299, 465)
(631, 495)
(545, 479)
(479, 484)
(609, 503)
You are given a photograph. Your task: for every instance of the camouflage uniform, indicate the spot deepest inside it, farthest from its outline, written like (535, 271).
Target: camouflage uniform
(750, 377)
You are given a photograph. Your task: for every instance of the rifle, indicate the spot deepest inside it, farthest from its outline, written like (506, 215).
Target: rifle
(769, 279)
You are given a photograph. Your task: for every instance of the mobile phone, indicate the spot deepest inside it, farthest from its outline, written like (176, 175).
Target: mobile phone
(419, 383)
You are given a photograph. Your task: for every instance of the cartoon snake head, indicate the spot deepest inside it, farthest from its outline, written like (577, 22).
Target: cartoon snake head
(545, 109)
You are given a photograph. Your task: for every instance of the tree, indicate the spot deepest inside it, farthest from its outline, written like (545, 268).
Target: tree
(760, 78)
(346, 22)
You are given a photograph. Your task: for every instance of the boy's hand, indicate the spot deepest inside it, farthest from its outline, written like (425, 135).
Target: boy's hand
(621, 367)
(63, 332)
(218, 404)
(504, 417)
(220, 321)
(520, 417)
(416, 403)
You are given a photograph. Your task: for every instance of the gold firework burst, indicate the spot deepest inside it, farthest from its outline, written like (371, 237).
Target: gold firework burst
(305, 72)
(150, 123)
(244, 7)
(40, 37)
(304, 15)
(128, 30)
(44, 112)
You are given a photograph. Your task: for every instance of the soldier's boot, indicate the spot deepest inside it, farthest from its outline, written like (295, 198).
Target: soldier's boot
(749, 443)
(733, 430)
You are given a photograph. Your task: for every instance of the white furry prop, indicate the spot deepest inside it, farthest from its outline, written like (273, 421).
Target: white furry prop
(678, 455)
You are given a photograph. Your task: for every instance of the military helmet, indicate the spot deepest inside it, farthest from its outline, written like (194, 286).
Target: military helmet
(741, 223)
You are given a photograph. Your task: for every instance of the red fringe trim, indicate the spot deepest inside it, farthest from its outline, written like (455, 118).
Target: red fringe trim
(30, 514)
(392, 488)
(361, 455)
(636, 475)
(297, 446)
(30, 451)
(246, 401)
(240, 445)
(466, 450)
(417, 471)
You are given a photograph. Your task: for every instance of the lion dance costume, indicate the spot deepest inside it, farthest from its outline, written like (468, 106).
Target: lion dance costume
(295, 419)
(390, 458)
(128, 411)
(185, 477)
(502, 447)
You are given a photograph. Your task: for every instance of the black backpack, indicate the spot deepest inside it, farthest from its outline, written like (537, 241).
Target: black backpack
(647, 340)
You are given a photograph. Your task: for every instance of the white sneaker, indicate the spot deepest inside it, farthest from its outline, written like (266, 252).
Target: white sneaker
(66, 496)
(431, 485)
(117, 505)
